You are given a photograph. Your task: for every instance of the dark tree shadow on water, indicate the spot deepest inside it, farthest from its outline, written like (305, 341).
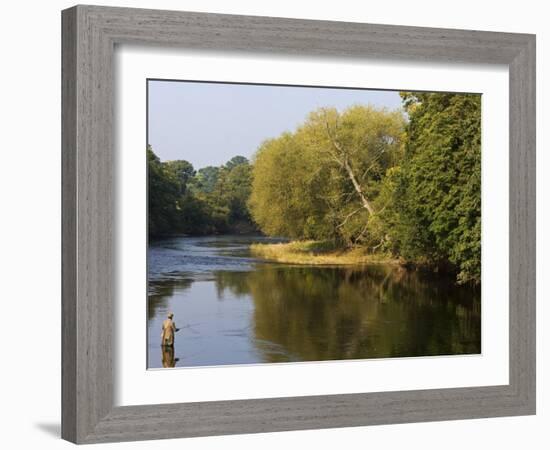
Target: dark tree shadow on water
(53, 429)
(324, 313)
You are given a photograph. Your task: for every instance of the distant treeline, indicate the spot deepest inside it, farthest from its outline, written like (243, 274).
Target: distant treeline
(405, 183)
(212, 200)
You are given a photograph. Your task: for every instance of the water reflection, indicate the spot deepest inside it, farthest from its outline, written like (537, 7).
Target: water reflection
(161, 292)
(168, 356)
(312, 314)
(280, 313)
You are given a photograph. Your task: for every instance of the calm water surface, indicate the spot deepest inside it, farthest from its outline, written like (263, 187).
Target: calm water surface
(232, 308)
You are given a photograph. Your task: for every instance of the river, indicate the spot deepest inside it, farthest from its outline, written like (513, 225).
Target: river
(232, 308)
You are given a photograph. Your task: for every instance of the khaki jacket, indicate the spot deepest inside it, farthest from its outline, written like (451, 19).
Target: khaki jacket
(168, 332)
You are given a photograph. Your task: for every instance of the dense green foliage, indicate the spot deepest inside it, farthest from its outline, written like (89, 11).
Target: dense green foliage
(406, 183)
(163, 196)
(436, 193)
(321, 182)
(210, 200)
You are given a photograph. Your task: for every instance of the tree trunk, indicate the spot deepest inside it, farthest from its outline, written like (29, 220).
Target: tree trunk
(340, 157)
(357, 186)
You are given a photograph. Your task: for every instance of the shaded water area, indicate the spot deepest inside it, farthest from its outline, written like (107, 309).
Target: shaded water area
(232, 308)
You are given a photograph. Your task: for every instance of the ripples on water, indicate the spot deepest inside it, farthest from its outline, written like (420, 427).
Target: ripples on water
(232, 308)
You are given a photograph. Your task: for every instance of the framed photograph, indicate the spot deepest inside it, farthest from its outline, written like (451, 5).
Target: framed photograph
(278, 224)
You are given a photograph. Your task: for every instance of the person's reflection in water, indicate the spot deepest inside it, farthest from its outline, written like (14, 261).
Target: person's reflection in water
(168, 359)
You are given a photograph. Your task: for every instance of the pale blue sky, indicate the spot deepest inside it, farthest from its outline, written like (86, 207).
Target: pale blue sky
(209, 123)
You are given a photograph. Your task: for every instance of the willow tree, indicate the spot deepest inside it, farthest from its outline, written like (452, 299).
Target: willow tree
(283, 201)
(322, 181)
(361, 143)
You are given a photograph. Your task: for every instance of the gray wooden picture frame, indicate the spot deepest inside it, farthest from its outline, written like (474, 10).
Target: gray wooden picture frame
(90, 34)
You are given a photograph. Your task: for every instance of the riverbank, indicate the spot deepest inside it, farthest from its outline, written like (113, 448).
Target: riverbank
(318, 253)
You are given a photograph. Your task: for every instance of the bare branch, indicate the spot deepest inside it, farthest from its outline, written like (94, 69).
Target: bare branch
(349, 216)
(344, 163)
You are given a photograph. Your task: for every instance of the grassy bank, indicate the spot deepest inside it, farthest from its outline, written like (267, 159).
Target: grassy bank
(318, 253)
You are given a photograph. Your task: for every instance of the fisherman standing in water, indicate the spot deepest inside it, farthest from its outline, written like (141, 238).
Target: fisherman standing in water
(168, 331)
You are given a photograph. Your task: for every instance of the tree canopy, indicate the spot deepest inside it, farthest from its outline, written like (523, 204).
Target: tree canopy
(208, 201)
(322, 182)
(436, 196)
(403, 182)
